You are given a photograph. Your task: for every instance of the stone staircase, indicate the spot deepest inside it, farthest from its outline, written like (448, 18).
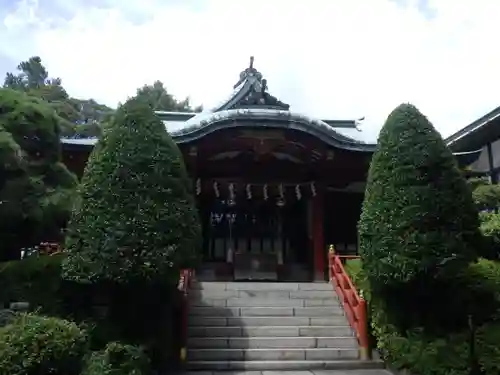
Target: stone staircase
(269, 326)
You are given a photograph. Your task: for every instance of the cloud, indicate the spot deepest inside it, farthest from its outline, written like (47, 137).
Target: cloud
(327, 58)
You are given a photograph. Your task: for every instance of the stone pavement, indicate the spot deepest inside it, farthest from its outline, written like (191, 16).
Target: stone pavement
(312, 372)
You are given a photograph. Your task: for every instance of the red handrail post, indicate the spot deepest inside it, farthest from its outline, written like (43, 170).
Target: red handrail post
(184, 284)
(331, 259)
(364, 345)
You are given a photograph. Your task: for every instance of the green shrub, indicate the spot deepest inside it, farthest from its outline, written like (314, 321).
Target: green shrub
(353, 268)
(488, 347)
(490, 228)
(416, 351)
(418, 218)
(475, 182)
(484, 275)
(118, 359)
(40, 345)
(35, 279)
(136, 219)
(486, 195)
(427, 355)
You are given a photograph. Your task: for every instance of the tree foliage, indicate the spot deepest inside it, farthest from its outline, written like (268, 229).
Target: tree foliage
(32, 75)
(418, 218)
(42, 345)
(35, 187)
(158, 98)
(136, 219)
(11, 161)
(487, 199)
(419, 229)
(80, 117)
(119, 359)
(83, 118)
(486, 195)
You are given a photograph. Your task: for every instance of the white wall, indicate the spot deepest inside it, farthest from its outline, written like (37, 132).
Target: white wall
(495, 150)
(482, 163)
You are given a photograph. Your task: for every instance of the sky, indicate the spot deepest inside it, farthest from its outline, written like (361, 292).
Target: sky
(333, 59)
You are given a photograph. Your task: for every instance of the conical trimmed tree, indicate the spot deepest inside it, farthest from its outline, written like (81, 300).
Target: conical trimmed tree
(136, 218)
(418, 220)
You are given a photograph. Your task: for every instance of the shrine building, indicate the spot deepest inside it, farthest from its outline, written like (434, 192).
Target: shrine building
(273, 187)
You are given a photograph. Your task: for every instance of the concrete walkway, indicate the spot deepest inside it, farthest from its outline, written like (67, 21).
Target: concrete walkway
(312, 372)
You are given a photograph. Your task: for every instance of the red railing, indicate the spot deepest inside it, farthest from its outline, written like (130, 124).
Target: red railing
(354, 305)
(185, 280)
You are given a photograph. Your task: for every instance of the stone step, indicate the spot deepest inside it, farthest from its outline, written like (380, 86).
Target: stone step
(197, 294)
(271, 342)
(273, 321)
(263, 302)
(291, 354)
(267, 286)
(285, 365)
(320, 311)
(266, 331)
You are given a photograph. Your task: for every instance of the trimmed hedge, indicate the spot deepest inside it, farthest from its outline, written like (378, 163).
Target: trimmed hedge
(423, 354)
(418, 219)
(419, 227)
(136, 220)
(41, 345)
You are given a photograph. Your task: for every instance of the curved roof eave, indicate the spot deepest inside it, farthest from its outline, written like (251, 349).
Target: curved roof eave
(463, 158)
(467, 157)
(206, 123)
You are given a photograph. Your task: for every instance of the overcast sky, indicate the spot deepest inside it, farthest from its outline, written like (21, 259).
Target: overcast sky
(337, 59)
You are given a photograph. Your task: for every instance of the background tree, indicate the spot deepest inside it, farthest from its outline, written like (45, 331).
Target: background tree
(159, 99)
(32, 75)
(419, 225)
(486, 196)
(83, 118)
(76, 114)
(36, 189)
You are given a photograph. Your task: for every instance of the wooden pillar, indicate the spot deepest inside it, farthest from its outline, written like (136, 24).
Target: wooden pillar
(318, 239)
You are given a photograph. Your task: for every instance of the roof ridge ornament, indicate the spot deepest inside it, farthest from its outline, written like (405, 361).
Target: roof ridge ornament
(256, 92)
(249, 72)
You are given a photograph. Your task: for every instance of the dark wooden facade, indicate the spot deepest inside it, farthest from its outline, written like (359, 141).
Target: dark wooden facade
(272, 193)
